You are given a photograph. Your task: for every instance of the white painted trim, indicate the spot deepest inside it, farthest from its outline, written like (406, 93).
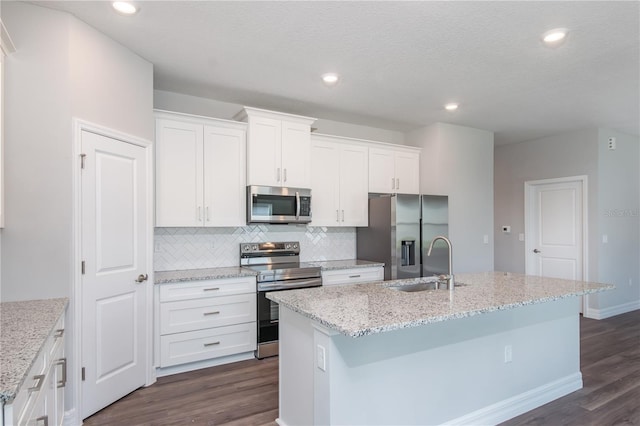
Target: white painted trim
(75, 312)
(364, 142)
(197, 119)
(528, 191)
(519, 404)
(6, 44)
(612, 311)
(247, 112)
(183, 368)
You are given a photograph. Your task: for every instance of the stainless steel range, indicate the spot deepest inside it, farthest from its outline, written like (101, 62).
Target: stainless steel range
(279, 268)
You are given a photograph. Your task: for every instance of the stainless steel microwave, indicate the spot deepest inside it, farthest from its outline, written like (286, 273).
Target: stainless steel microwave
(271, 204)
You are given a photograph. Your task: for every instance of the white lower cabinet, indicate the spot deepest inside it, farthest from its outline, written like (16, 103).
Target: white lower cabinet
(353, 275)
(204, 320)
(40, 400)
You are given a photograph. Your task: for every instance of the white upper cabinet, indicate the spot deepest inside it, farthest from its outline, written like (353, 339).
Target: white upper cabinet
(200, 171)
(278, 148)
(394, 170)
(338, 182)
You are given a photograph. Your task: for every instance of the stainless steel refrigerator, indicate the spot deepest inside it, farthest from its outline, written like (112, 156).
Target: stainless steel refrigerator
(400, 230)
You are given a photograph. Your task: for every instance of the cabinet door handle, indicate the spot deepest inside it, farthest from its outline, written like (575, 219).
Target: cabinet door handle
(207, 214)
(211, 313)
(44, 420)
(354, 276)
(199, 214)
(343, 215)
(211, 344)
(211, 289)
(285, 175)
(278, 174)
(393, 183)
(337, 215)
(62, 382)
(38, 386)
(59, 333)
(398, 183)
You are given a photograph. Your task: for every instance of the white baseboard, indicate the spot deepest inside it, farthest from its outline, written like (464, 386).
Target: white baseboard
(519, 404)
(71, 418)
(183, 368)
(612, 310)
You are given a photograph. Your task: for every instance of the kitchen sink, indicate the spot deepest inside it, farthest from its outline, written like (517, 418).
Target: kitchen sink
(410, 288)
(431, 285)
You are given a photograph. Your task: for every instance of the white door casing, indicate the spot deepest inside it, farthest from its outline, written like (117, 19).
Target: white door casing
(555, 219)
(113, 226)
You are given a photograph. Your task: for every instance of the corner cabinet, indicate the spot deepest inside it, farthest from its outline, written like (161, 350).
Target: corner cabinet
(394, 170)
(200, 171)
(339, 181)
(278, 148)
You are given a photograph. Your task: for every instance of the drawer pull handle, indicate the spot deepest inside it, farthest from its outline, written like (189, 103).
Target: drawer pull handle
(354, 276)
(38, 386)
(44, 420)
(63, 381)
(211, 289)
(59, 333)
(211, 344)
(211, 313)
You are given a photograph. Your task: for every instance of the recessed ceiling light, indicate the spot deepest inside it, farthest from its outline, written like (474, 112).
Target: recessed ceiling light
(124, 7)
(554, 36)
(330, 78)
(451, 107)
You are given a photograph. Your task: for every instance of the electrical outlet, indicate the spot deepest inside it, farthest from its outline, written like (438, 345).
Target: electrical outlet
(485, 239)
(321, 356)
(506, 229)
(508, 354)
(520, 237)
(605, 239)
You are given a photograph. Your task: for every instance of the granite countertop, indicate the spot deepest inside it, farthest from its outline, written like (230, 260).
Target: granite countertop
(362, 309)
(330, 265)
(163, 277)
(24, 328)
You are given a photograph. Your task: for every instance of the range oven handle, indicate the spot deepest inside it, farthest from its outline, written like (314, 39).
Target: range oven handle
(297, 205)
(289, 285)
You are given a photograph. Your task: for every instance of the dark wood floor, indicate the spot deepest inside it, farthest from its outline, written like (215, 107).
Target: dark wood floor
(246, 393)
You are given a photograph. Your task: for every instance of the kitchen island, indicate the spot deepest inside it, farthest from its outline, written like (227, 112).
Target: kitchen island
(499, 345)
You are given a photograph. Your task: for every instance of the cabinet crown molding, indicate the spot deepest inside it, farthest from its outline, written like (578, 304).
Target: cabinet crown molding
(364, 142)
(248, 112)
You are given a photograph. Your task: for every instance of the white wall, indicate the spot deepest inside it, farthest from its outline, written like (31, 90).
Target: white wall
(458, 161)
(618, 219)
(212, 108)
(61, 69)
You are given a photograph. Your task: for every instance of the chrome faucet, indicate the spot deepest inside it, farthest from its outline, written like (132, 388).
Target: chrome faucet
(449, 278)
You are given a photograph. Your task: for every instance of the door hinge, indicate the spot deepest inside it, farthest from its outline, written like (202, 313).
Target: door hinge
(82, 157)
(83, 374)
(82, 267)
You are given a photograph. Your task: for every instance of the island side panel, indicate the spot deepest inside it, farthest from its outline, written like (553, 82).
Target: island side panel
(450, 372)
(296, 362)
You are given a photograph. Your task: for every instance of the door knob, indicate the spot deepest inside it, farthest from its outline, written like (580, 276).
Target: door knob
(536, 251)
(142, 278)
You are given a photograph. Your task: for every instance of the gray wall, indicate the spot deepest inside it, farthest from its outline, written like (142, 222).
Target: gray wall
(613, 203)
(61, 69)
(458, 161)
(568, 154)
(619, 219)
(212, 108)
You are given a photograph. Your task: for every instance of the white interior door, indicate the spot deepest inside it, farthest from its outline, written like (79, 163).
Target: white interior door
(555, 230)
(114, 222)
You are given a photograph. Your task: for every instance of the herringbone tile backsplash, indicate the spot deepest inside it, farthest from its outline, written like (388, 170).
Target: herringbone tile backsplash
(195, 248)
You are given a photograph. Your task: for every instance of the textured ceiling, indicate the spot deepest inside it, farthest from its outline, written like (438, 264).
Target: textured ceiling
(399, 61)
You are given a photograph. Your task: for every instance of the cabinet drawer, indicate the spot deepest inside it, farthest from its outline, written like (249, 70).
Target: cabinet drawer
(352, 276)
(206, 344)
(197, 314)
(207, 288)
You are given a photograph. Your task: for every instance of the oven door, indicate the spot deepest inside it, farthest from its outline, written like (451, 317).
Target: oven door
(268, 314)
